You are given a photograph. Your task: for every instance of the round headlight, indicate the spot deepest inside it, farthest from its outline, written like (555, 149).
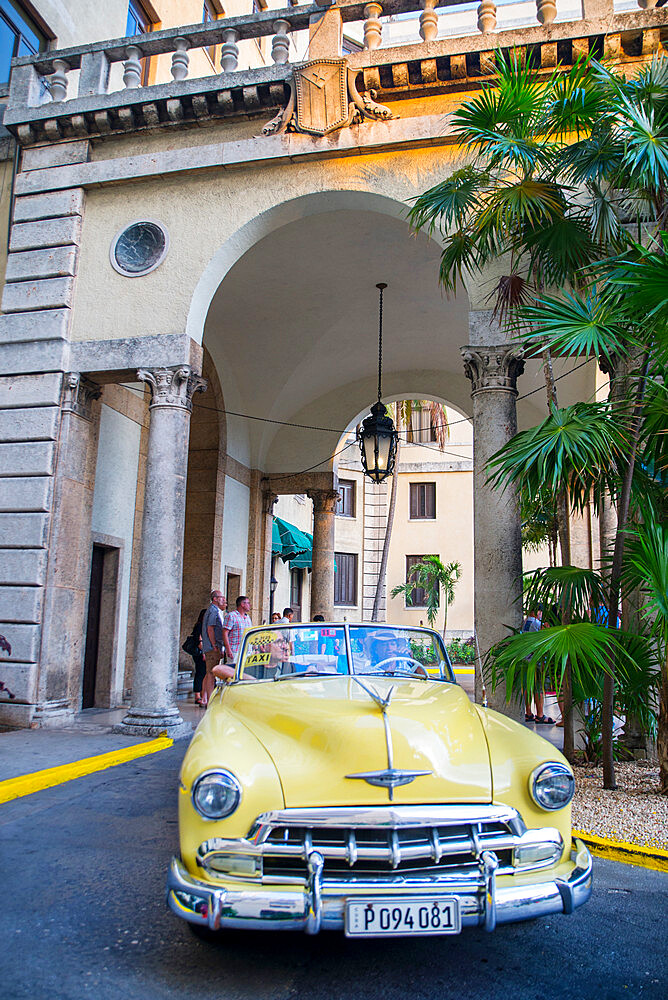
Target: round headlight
(552, 786)
(216, 794)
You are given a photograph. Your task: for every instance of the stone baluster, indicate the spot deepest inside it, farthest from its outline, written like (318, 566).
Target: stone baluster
(373, 29)
(229, 52)
(132, 67)
(546, 11)
(153, 707)
(486, 16)
(180, 59)
(428, 20)
(58, 81)
(280, 46)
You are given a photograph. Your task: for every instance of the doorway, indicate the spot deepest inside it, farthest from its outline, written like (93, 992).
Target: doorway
(296, 593)
(232, 589)
(101, 638)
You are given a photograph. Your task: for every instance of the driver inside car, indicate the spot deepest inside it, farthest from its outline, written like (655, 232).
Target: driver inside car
(382, 648)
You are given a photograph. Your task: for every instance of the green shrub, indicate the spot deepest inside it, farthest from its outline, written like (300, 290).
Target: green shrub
(461, 651)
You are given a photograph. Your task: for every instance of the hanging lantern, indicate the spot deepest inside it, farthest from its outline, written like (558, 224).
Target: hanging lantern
(377, 437)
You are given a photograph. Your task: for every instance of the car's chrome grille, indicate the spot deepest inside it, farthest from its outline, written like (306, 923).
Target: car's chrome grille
(350, 852)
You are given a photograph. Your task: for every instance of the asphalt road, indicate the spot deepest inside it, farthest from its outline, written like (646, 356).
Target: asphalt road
(83, 870)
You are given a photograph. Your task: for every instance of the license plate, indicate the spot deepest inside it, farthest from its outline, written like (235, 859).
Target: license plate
(392, 917)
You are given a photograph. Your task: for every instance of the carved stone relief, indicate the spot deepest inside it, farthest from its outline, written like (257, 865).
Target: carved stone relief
(324, 98)
(78, 394)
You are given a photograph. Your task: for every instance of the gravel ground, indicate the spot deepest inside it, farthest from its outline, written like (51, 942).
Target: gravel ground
(634, 812)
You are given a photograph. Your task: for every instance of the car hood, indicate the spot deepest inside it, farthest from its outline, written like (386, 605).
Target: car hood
(319, 730)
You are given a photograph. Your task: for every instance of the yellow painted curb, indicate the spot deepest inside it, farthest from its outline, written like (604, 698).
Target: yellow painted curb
(630, 854)
(464, 670)
(26, 784)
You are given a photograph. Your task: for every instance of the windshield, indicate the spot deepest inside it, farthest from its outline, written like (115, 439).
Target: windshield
(317, 650)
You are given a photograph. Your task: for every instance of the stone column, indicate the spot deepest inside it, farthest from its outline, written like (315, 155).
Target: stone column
(268, 500)
(153, 708)
(322, 578)
(493, 372)
(67, 582)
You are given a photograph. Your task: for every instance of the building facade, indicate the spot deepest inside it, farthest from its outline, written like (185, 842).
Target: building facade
(197, 222)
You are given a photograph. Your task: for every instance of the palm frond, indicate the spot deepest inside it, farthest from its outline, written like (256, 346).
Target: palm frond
(561, 249)
(574, 105)
(574, 325)
(643, 277)
(576, 448)
(511, 293)
(449, 203)
(646, 569)
(604, 221)
(527, 202)
(581, 590)
(596, 158)
(460, 253)
(522, 660)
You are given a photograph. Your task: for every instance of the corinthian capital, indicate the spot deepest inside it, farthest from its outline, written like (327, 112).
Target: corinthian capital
(324, 501)
(496, 367)
(172, 386)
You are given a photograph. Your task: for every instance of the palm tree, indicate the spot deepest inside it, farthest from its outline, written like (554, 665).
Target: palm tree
(562, 166)
(437, 580)
(575, 452)
(647, 570)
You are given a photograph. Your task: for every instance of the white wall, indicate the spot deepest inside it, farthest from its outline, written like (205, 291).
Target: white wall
(235, 528)
(114, 512)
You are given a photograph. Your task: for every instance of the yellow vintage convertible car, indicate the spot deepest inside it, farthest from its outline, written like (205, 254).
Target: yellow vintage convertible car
(343, 780)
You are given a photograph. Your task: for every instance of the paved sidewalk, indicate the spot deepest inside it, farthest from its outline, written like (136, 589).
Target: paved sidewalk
(23, 751)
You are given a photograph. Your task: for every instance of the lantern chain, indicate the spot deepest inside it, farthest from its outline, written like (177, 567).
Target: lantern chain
(381, 285)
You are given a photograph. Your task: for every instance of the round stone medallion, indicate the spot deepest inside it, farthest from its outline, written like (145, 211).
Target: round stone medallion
(139, 248)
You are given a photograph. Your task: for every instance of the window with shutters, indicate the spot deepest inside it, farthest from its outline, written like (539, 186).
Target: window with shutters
(346, 505)
(422, 501)
(418, 594)
(345, 578)
(296, 588)
(421, 429)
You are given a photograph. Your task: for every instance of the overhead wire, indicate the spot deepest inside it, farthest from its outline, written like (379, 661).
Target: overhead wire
(339, 431)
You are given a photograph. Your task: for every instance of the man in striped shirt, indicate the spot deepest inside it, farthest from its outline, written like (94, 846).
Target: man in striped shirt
(234, 626)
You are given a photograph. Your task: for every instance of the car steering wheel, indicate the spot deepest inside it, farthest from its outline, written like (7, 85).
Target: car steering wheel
(403, 659)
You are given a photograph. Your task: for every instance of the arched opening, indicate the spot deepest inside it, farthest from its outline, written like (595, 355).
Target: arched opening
(291, 328)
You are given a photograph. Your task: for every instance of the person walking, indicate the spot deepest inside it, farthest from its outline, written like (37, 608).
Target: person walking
(212, 642)
(235, 624)
(198, 657)
(534, 623)
(288, 615)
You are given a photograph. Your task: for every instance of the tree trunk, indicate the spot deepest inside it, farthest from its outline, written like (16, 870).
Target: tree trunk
(382, 570)
(567, 688)
(564, 533)
(662, 733)
(607, 708)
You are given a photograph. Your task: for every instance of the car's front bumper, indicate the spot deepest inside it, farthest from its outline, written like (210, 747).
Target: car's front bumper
(321, 903)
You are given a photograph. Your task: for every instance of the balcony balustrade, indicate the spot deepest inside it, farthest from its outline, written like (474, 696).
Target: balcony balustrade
(47, 99)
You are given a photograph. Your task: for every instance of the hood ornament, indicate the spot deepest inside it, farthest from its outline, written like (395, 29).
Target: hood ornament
(391, 777)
